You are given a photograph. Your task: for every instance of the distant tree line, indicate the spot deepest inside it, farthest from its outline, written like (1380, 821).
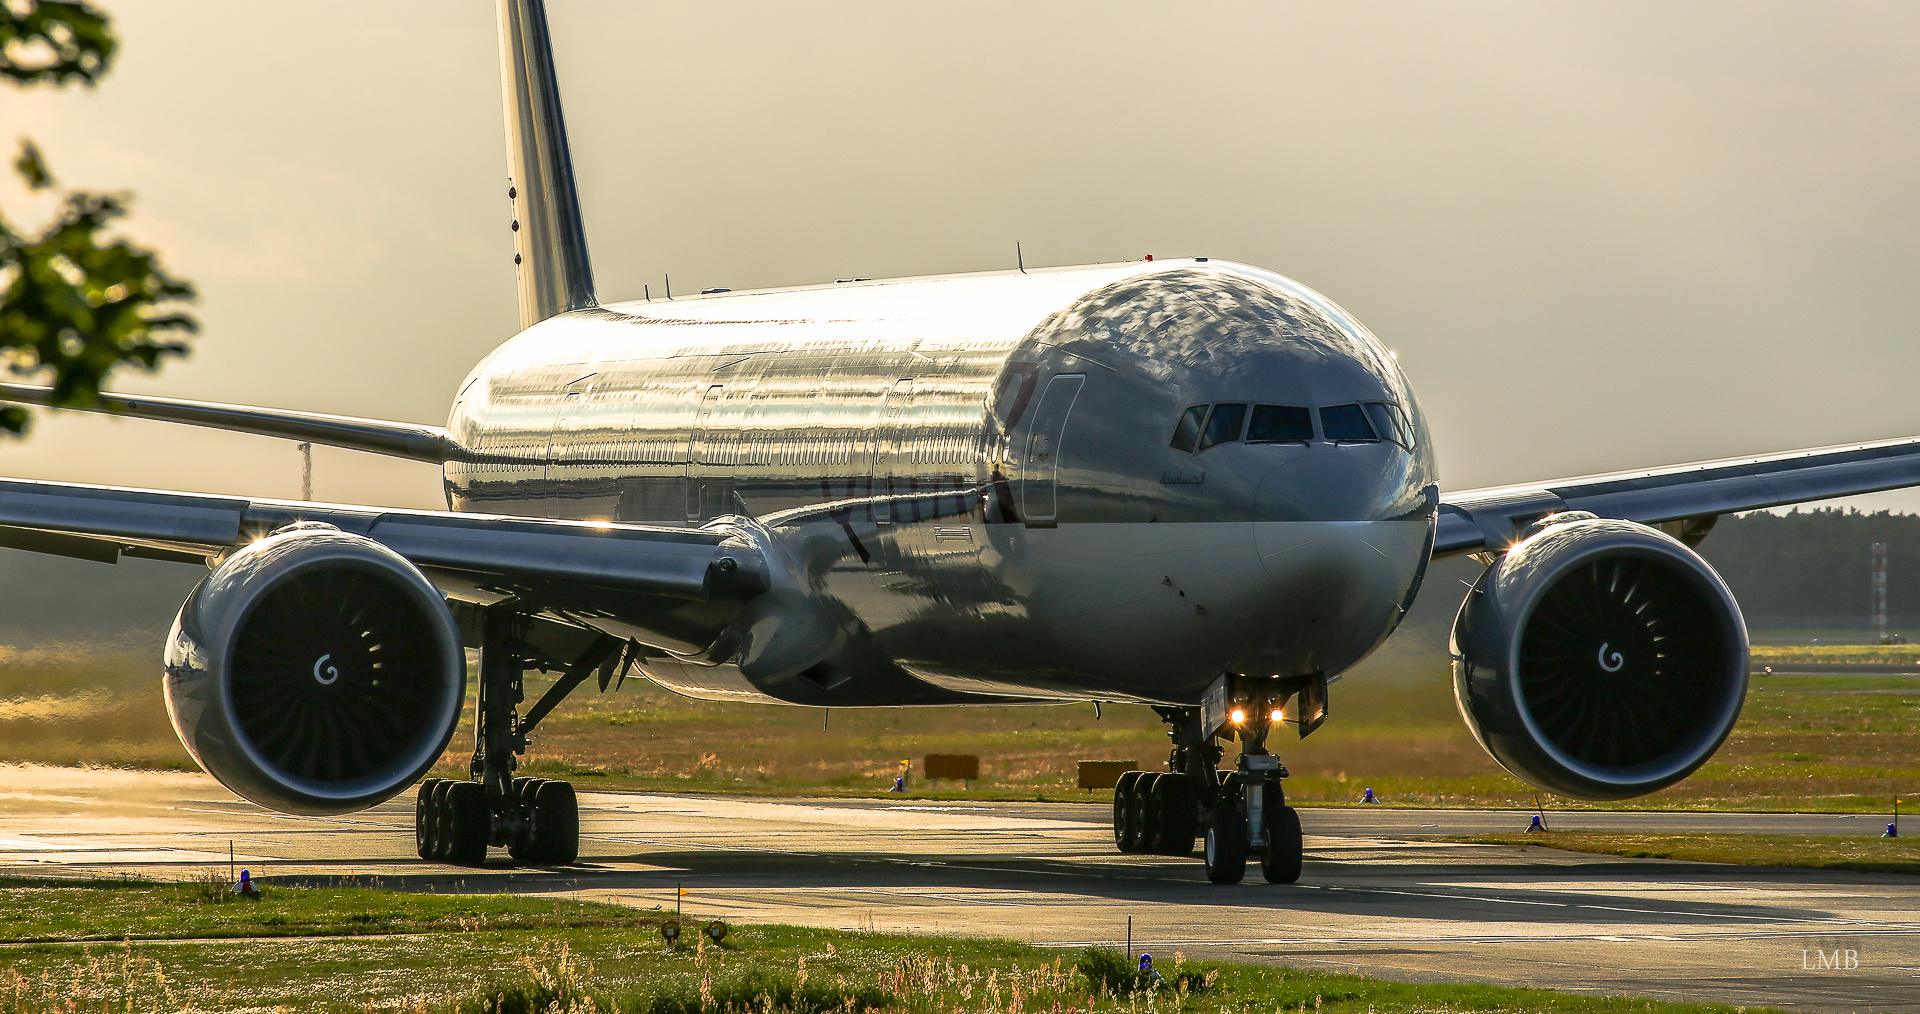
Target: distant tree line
(1811, 568)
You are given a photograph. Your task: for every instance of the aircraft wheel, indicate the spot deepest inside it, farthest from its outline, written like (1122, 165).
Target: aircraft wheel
(1126, 830)
(1280, 864)
(522, 847)
(439, 833)
(1147, 805)
(555, 840)
(1226, 852)
(425, 825)
(468, 823)
(1177, 812)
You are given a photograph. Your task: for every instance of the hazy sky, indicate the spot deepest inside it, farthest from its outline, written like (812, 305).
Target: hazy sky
(1599, 236)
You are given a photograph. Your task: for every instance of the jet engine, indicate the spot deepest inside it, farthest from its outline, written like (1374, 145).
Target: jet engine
(1600, 659)
(315, 671)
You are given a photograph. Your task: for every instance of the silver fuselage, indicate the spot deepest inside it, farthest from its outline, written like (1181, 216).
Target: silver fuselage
(975, 474)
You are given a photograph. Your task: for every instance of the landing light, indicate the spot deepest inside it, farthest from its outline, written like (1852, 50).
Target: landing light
(1277, 715)
(1238, 716)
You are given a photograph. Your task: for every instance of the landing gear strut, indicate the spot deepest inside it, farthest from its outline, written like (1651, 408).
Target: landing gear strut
(1239, 813)
(1252, 815)
(537, 820)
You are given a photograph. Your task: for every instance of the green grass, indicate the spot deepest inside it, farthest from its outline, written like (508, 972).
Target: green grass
(1802, 743)
(1826, 683)
(65, 910)
(1771, 654)
(611, 960)
(1815, 851)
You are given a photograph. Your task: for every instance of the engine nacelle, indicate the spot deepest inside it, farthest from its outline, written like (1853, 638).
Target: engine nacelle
(1600, 659)
(315, 671)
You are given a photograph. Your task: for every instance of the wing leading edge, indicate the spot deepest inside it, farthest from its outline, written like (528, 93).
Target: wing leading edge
(506, 554)
(1492, 518)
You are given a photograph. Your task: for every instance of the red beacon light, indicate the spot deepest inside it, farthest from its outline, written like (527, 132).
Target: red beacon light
(1149, 257)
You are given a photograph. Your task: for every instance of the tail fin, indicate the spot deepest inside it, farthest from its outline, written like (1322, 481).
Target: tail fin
(549, 243)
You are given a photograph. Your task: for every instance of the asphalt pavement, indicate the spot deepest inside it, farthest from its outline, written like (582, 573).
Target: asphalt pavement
(1374, 898)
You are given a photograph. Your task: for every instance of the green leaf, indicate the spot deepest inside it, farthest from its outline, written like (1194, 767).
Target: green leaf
(54, 41)
(79, 304)
(32, 167)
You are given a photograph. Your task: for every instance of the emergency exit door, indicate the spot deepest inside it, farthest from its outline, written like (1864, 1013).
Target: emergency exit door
(1045, 445)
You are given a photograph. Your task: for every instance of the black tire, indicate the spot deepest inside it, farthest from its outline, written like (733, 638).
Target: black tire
(425, 824)
(556, 824)
(1280, 863)
(1177, 813)
(1126, 832)
(469, 824)
(525, 847)
(1146, 807)
(522, 848)
(440, 833)
(1226, 852)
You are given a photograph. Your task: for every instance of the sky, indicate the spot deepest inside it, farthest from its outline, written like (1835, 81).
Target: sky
(1598, 236)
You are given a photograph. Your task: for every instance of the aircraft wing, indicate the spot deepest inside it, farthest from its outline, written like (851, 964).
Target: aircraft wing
(380, 436)
(1682, 498)
(506, 553)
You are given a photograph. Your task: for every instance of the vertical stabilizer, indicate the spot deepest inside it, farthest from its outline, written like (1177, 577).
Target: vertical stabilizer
(549, 243)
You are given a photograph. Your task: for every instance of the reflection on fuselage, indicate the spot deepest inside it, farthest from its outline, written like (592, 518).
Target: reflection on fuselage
(978, 474)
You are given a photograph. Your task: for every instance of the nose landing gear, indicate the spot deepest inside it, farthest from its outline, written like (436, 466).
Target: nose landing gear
(1241, 812)
(1251, 815)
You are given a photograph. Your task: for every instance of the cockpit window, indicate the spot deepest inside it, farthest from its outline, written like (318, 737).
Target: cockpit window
(1224, 425)
(1275, 423)
(1346, 422)
(1186, 434)
(1390, 422)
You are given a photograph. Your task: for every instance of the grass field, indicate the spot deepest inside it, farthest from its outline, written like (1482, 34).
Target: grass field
(1831, 742)
(192, 947)
(1774, 654)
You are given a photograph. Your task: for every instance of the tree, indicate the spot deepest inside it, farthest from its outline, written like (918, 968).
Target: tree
(75, 303)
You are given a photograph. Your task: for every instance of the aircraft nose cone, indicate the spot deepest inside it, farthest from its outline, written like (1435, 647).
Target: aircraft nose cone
(1328, 484)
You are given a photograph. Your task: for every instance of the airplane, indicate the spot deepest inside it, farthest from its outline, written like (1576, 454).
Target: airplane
(1186, 483)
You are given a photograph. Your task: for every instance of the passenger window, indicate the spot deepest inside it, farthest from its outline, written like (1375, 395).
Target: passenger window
(1274, 423)
(1346, 422)
(1224, 425)
(1186, 435)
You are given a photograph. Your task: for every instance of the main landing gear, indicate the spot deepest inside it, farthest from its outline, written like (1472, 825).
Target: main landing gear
(536, 819)
(1238, 813)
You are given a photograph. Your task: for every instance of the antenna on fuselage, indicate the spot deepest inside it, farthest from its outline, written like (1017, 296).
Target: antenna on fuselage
(550, 244)
(1019, 259)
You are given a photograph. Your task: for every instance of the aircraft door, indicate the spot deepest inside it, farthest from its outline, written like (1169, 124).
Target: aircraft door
(1045, 444)
(566, 423)
(890, 443)
(700, 453)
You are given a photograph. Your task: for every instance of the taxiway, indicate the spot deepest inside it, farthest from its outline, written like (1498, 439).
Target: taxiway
(1374, 898)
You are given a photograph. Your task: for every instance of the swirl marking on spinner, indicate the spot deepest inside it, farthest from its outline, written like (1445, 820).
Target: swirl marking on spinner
(1614, 658)
(332, 673)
